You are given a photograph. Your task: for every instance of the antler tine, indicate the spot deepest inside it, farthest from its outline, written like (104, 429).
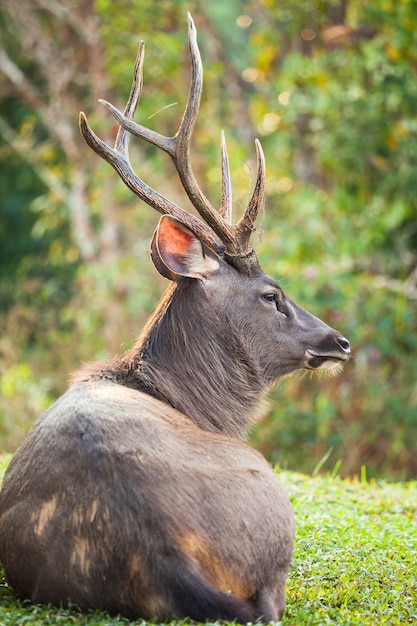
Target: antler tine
(156, 200)
(178, 147)
(226, 205)
(118, 158)
(183, 138)
(246, 224)
(125, 119)
(122, 138)
(216, 230)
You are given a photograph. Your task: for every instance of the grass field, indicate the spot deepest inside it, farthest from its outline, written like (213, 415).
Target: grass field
(355, 560)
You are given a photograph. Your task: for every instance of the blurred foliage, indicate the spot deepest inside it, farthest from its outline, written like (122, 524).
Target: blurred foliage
(330, 88)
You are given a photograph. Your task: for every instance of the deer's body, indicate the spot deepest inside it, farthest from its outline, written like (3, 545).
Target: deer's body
(135, 492)
(144, 514)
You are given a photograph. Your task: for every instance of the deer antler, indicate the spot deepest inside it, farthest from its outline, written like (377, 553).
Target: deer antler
(216, 230)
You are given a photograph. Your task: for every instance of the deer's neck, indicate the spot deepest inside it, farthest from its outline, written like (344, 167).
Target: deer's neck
(195, 360)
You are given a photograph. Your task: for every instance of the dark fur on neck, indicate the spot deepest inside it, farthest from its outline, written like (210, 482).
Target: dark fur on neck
(189, 356)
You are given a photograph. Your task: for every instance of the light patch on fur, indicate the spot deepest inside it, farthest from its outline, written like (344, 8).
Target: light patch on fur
(152, 605)
(136, 566)
(93, 511)
(77, 516)
(80, 555)
(219, 574)
(88, 515)
(44, 515)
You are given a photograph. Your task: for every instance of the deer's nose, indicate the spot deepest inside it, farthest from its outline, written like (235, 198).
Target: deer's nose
(344, 344)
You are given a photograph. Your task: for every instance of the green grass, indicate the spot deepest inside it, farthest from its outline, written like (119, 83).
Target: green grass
(355, 560)
(356, 553)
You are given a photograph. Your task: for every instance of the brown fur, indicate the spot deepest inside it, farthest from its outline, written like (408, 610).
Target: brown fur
(125, 496)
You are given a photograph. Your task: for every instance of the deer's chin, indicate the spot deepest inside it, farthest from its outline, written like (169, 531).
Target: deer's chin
(331, 364)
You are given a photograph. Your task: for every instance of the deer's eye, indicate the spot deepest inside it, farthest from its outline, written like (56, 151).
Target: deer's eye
(280, 306)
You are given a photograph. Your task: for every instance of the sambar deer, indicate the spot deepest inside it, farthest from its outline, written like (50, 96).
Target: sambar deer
(135, 492)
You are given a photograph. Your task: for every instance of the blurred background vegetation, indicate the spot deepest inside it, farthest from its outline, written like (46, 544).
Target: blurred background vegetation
(330, 88)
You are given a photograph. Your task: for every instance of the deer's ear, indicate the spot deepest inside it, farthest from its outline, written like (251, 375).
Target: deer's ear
(177, 251)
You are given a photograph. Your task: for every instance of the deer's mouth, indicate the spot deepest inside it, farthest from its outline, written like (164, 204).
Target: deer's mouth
(325, 360)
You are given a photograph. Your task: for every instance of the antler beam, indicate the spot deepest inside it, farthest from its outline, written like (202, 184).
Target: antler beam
(216, 230)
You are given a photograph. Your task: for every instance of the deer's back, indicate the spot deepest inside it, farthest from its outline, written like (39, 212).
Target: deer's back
(112, 488)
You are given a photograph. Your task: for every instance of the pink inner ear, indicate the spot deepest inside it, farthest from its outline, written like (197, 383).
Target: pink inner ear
(176, 246)
(174, 239)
